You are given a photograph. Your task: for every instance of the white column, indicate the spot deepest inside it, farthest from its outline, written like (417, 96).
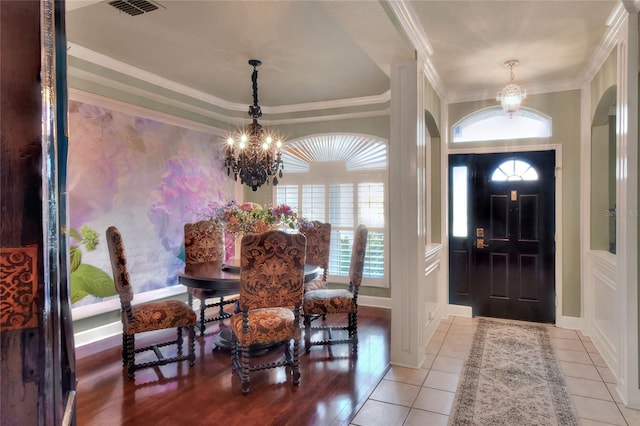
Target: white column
(627, 209)
(407, 183)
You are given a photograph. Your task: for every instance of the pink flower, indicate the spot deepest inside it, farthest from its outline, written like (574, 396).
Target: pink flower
(246, 207)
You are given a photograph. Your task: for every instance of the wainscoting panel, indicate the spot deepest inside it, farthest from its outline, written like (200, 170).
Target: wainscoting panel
(432, 312)
(601, 307)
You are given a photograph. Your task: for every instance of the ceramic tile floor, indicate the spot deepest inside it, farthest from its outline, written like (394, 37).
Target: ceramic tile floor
(424, 396)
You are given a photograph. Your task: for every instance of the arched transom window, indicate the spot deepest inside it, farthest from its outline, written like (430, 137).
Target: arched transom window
(358, 152)
(514, 170)
(493, 124)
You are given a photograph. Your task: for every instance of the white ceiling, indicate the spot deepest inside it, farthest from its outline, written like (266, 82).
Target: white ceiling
(314, 51)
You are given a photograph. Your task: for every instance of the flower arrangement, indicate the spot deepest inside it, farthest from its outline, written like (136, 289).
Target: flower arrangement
(240, 219)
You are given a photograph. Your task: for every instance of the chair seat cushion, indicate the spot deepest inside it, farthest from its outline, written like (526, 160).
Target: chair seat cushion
(317, 284)
(328, 301)
(159, 315)
(266, 325)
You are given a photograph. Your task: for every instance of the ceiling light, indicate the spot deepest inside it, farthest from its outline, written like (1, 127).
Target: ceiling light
(252, 154)
(512, 95)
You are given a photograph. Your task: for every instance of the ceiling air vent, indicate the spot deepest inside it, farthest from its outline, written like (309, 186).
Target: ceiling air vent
(133, 7)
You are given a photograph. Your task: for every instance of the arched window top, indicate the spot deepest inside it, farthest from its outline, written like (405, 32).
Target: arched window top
(359, 152)
(514, 170)
(493, 124)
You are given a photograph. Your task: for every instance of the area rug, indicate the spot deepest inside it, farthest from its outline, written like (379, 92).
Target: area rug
(512, 377)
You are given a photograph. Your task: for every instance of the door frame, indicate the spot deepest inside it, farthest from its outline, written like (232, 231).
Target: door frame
(558, 209)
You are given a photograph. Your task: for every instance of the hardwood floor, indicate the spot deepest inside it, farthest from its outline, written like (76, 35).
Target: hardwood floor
(334, 385)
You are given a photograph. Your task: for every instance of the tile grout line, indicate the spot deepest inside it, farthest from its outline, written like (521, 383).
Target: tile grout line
(601, 381)
(447, 333)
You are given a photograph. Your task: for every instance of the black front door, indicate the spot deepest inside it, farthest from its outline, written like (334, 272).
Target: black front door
(501, 234)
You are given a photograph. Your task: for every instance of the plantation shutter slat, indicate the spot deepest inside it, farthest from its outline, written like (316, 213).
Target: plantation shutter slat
(313, 202)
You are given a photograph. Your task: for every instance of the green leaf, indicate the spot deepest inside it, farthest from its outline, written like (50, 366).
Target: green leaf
(93, 280)
(76, 293)
(75, 258)
(75, 234)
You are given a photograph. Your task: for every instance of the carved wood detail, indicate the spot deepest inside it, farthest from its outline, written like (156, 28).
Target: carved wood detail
(18, 288)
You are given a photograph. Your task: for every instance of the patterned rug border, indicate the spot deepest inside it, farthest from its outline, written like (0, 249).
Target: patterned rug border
(462, 411)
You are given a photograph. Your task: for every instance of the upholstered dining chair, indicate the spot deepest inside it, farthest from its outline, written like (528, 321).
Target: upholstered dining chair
(149, 316)
(271, 288)
(318, 248)
(338, 301)
(204, 242)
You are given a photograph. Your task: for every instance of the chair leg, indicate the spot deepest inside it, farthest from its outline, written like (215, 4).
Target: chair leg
(244, 371)
(307, 333)
(203, 306)
(179, 339)
(353, 331)
(235, 363)
(192, 345)
(296, 362)
(124, 350)
(221, 307)
(131, 356)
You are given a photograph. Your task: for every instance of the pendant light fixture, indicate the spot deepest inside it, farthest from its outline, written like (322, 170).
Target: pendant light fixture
(512, 95)
(252, 153)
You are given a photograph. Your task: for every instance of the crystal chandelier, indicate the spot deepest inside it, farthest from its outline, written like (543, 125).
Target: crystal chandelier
(253, 154)
(512, 95)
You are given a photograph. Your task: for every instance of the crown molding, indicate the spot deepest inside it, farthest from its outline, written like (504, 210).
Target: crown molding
(321, 105)
(108, 62)
(607, 44)
(235, 121)
(313, 119)
(410, 24)
(600, 55)
(533, 89)
(406, 15)
(136, 91)
(139, 111)
(633, 6)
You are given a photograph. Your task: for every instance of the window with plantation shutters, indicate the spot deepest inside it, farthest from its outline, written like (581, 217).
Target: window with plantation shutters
(288, 194)
(371, 212)
(313, 202)
(341, 179)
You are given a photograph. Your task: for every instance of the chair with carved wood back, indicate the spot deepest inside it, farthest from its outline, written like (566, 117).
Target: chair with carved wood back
(271, 289)
(338, 301)
(318, 248)
(204, 242)
(149, 316)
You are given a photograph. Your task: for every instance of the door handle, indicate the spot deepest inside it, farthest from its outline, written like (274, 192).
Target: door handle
(481, 244)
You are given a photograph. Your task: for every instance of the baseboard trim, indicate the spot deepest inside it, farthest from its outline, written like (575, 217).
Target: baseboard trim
(571, 323)
(459, 311)
(96, 334)
(374, 301)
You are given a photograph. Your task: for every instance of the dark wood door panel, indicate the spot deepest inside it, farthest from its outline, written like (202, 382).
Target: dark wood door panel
(499, 276)
(507, 269)
(528, 217)
(528, 278)
(499, 217)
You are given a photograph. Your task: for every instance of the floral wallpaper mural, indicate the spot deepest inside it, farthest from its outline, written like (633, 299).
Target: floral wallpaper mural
(146, 177)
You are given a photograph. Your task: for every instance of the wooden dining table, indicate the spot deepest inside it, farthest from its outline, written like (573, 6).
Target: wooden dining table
(223, 279)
